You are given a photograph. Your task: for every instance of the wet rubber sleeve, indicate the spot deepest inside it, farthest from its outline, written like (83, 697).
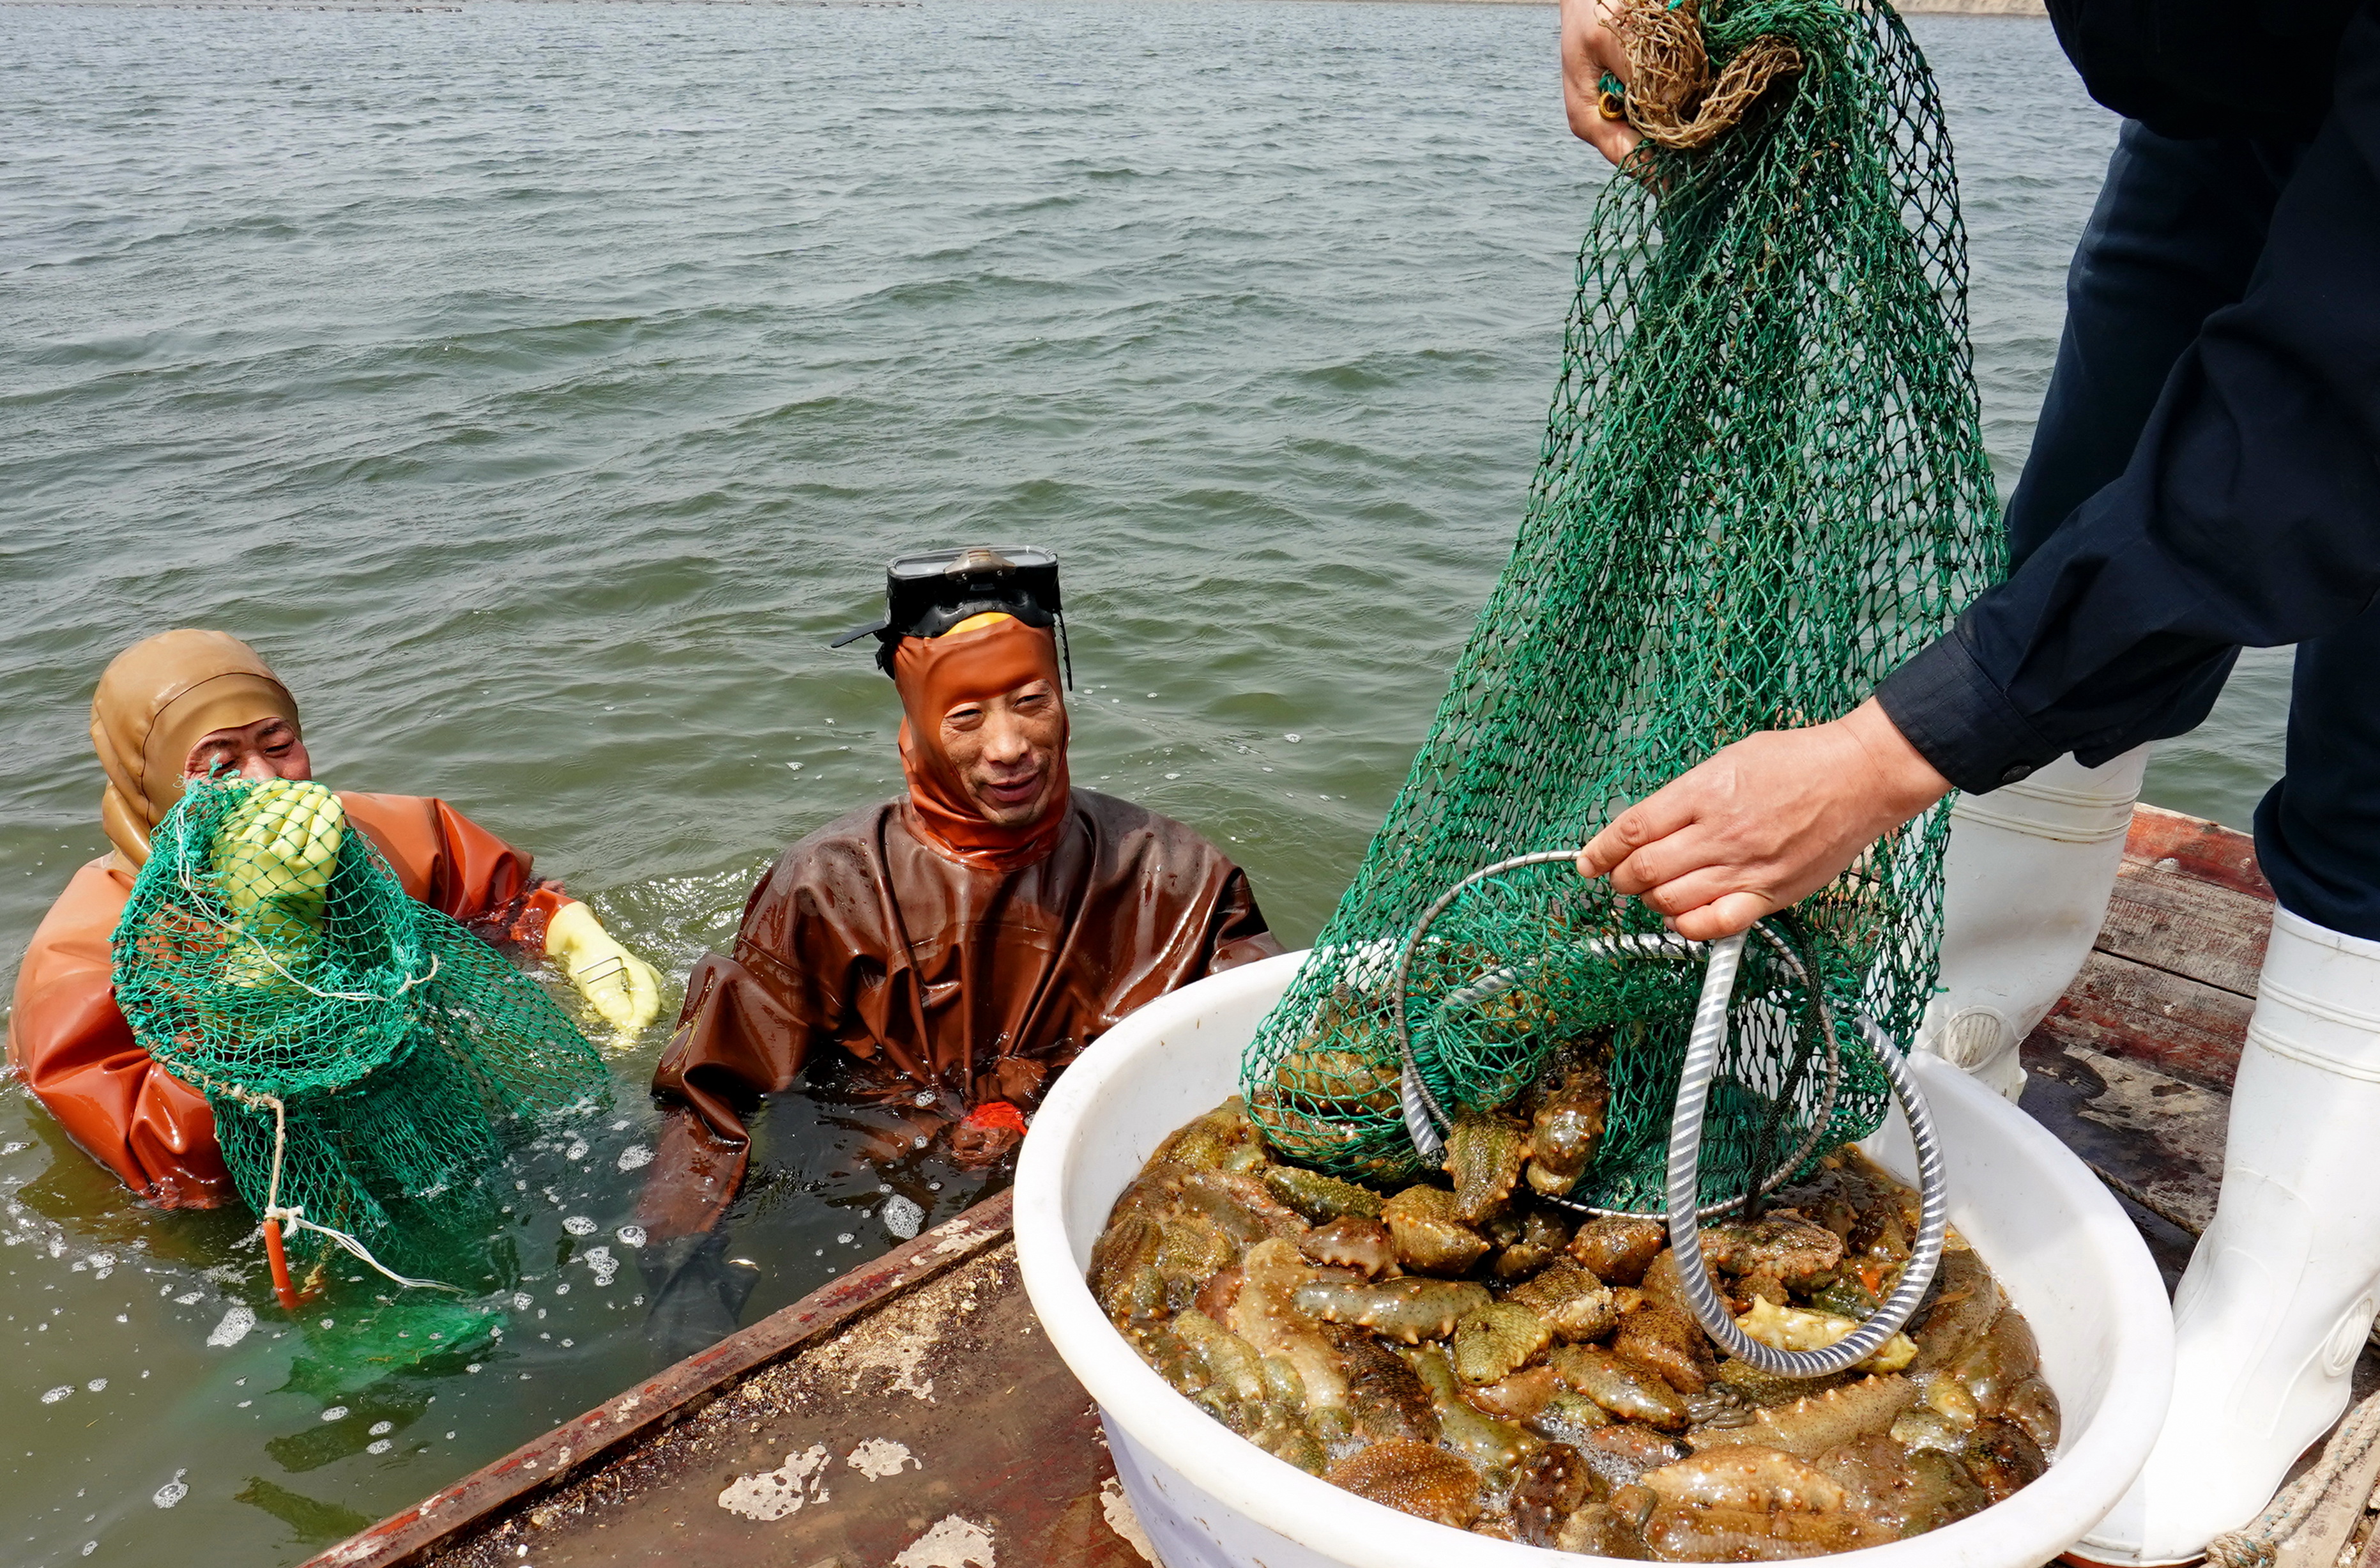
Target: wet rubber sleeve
(2248, 514)
(744, 1031)
(69, 1041)
(694, 1295)
(1239, 934)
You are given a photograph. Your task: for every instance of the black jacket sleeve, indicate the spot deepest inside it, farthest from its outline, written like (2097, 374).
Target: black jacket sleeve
(2248, 514)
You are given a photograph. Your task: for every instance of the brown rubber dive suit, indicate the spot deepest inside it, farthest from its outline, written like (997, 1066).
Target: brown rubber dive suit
(939, 950)
(66, 1036)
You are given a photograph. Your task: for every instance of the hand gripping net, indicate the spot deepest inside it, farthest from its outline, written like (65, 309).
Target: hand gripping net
(360, 1051)
(1762, 488)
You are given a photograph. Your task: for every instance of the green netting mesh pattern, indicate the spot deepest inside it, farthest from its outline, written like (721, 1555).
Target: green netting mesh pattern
(1762, 488)
(268, 950)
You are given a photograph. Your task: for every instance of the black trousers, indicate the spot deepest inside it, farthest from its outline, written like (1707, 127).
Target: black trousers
(2176, 236)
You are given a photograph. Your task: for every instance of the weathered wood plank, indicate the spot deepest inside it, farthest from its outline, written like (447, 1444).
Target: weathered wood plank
(2203, 931)
(2203, 851)
(940, 1427)
(2124, 1008)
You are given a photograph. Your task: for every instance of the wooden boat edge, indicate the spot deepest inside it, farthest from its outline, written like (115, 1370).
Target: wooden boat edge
(570, 1450)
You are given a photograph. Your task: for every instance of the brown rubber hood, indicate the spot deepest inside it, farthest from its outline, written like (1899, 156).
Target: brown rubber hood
(156, 701)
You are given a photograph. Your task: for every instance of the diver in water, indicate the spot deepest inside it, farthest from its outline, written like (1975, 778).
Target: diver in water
(957, 945)
(183, 705)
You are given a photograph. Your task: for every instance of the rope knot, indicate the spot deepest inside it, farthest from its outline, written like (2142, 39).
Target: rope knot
(1671, 98)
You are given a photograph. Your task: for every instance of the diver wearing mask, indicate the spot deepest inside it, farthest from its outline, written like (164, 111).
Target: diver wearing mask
(967, 939)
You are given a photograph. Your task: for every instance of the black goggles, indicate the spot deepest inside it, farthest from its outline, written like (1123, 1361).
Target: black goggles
(927, 595)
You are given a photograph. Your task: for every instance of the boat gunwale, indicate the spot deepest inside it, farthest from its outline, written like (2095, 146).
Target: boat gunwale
(648, 1408)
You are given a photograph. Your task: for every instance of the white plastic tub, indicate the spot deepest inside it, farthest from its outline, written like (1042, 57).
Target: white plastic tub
(2059, 1245)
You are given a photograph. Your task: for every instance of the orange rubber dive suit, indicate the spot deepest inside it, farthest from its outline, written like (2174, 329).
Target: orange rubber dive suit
(65, 1036)
(937, 948)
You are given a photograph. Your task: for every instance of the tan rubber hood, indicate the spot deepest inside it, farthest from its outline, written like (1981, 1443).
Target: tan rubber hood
(156, 701)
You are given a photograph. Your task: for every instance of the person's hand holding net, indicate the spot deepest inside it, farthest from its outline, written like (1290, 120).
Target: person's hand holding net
(272, 860)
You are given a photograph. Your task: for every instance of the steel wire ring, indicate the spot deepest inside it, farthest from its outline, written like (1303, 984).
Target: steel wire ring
(1423, 1115)
(1685, 1176)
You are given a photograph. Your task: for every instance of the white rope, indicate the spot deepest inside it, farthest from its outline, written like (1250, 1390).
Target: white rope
(275, 1209)
(2255, 1544)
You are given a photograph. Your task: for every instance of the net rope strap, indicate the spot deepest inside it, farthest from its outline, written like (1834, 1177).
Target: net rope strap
(1685, 1158)
(2257, 1543)
(275, 1212)
(1425, 1114)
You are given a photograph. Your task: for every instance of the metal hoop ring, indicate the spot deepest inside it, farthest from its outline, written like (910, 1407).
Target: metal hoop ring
(1423, 1115)
(1685, 1178)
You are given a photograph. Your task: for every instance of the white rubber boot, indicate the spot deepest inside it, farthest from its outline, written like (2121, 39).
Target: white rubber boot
(2025, 885)
(2280, 1291)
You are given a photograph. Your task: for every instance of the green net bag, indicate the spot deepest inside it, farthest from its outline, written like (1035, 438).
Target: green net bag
(1762, 488)
(362, 1051)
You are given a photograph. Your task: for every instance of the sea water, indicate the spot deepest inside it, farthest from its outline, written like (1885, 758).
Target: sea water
(540, 386)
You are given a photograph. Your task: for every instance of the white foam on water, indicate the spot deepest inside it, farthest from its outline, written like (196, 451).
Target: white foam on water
(57, 1393)
(631, 1236)
(381, 1428)
(903, 1217)
(97, 1385)
(580, 1225)
(635, 1158)
(236, 1322)
(336, 1413)
(173, 1491)
(380, 1446)
(577, 1151)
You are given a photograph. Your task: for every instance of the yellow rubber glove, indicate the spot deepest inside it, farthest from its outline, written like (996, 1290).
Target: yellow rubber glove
(615, 982)
(272, 860)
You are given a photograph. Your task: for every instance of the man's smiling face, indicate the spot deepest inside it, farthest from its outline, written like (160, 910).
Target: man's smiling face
(1004, 749)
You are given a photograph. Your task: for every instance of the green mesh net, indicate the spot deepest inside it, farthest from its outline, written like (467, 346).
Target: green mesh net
(268, 954)
(1762, 488)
